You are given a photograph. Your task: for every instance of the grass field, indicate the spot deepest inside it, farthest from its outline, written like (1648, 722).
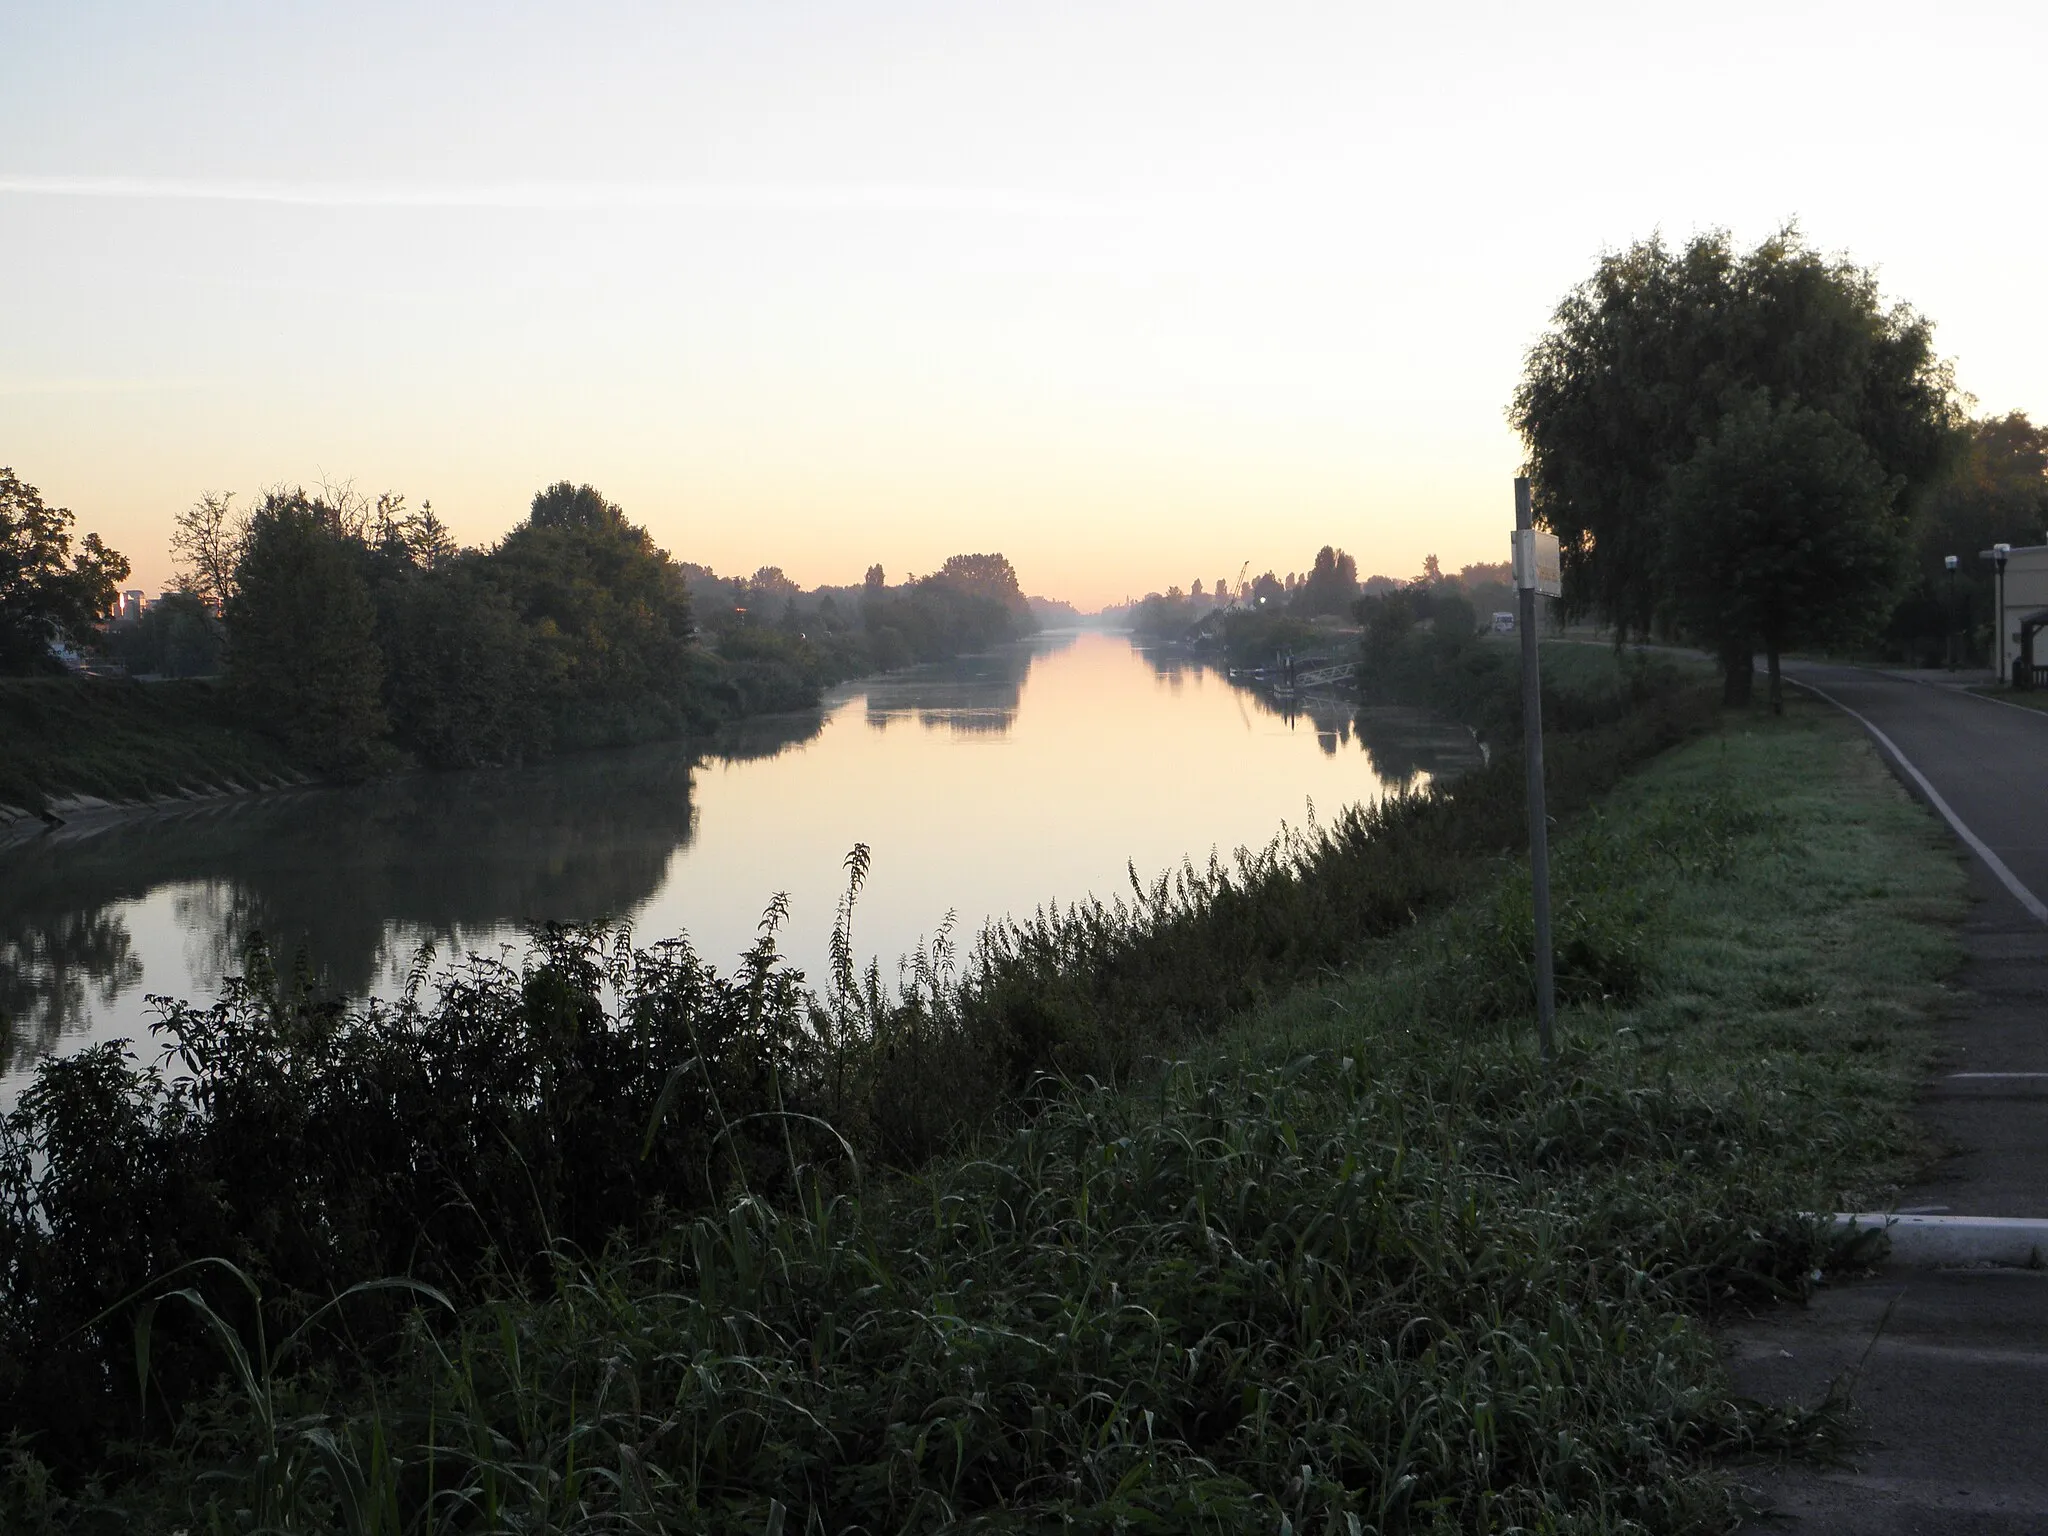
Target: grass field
(119, 740)
(1363, 1262)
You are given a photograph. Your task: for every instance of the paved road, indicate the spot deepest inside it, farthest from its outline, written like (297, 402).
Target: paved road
(1949, 1369)
(1987, 760)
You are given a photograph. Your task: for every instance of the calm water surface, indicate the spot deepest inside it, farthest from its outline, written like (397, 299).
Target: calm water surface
(985, 787)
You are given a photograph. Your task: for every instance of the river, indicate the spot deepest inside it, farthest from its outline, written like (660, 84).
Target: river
(983, 787)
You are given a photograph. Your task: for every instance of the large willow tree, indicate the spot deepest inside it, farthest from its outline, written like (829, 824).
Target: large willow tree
(1644, 360)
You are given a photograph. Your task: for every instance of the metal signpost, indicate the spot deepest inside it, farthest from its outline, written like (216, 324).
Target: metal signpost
(1537, 572)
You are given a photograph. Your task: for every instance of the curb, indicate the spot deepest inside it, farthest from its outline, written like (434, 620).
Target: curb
(1924, 1241)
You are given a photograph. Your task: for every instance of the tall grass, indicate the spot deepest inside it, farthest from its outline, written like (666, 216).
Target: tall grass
(1359, 1262)
(494, 1116)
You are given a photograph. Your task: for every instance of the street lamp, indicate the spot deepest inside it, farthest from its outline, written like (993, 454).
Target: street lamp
(1997, 554)
(1953, 646)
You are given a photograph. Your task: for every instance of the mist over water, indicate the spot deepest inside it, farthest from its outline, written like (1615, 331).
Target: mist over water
(984, 787)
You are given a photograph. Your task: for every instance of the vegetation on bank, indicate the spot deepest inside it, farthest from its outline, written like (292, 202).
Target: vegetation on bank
(354, 636)
(354, 628)
(1732, 445)
(1422, 646)
(114, 739)
(1241, 1200)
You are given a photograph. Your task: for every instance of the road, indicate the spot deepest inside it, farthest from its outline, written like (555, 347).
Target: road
(1987, 760)
(1947, 1368)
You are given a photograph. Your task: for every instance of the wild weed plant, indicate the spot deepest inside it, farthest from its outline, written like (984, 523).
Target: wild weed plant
(731, 1253)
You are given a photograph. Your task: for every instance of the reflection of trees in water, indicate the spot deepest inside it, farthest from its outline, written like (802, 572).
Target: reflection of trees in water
(969, 696)
(1405, 744)
(762, 737)
(334, 871)
(1327, 714)
(1402, 744)
(49, 969)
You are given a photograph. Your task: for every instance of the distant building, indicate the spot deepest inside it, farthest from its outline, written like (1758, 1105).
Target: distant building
(130, 608)
(2022, 607)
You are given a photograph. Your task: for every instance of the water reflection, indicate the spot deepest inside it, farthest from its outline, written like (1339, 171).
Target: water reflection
(970, 696)
(986, 786)
(1410, 746)
(49, 971)
(349, 877)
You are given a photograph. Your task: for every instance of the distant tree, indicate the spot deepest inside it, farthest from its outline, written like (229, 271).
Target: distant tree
(1331, 584)
(178, 635)
(206, 546)
(401, 536)
(563, 505)
(1196, 590)
(1783, 531)
(462, 677)
(1164, 615)
(1995, 490)
(985, 575)
(875, 580)
(301, 626)
(1432, 572)
(610, 615)
(1484, 574)
(1266, 591)
(1644, 358)
(48, 592)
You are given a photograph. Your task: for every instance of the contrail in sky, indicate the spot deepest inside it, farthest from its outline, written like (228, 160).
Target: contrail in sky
(878, 197)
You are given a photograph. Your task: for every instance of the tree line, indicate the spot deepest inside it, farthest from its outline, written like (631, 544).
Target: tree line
(1755, 451)
(357, 631)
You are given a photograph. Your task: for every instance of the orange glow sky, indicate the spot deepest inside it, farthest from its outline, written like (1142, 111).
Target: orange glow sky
(1134, 293)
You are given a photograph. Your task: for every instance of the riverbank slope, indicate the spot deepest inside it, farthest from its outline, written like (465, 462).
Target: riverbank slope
(1362, 1258)
(72, 741)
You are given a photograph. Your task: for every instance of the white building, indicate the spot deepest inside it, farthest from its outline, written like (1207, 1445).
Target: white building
(2022, 608)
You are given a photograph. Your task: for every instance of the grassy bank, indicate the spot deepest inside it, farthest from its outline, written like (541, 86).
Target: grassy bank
(1358, 1261)
(119, 740)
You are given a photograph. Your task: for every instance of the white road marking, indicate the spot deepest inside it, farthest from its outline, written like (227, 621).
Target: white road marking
(2011, 881)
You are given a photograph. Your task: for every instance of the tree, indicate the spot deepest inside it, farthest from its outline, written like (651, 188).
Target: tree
(1995, 489)
(1331, 584)
(1783, 530)
(610, 614)
(302, 646)
(206, 545)
(1645, 357)
(563, 505)
(985, 576)
(177, 636)
(47, 592)
(460, 685)
(402, 537)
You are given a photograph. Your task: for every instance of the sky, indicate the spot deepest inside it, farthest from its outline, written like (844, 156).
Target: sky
(1134, 293)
